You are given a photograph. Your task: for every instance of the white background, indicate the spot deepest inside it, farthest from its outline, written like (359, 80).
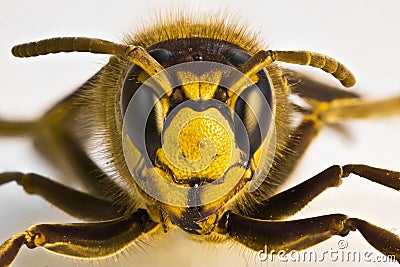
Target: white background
(362, 34)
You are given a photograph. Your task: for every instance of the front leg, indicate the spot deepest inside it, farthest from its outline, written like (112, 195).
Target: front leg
(292, 200)
(304, 233)
(84, 240)
(75, 203)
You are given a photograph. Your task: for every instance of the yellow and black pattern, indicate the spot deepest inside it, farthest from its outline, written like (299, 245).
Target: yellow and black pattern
(196, 129)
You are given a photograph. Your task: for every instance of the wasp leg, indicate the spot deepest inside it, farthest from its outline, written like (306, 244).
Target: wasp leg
(75, 203)
(291, 201)
(336, 111)
(344, 109)
(333, 105)
(299, 141)
(16, 128)
(381, 176)
(85, 240)
(67, 154)
(57, 135)
(304, 233)
(62, 151)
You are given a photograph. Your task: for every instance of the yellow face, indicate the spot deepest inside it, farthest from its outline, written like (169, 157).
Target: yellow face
(201, 141)
(202, 147)
(199, 153)
(197, 144)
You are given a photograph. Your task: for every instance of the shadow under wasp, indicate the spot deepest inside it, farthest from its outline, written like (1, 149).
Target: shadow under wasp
(196, 133)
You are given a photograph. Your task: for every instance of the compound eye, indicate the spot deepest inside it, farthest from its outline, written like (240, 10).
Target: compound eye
(254, 104)
(147, 113)
(163, 56)
(221, 95)
(255, 113)
(237, 56)
(131, 83)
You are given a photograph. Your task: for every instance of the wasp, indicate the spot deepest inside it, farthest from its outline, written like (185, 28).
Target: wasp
(190, 125)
